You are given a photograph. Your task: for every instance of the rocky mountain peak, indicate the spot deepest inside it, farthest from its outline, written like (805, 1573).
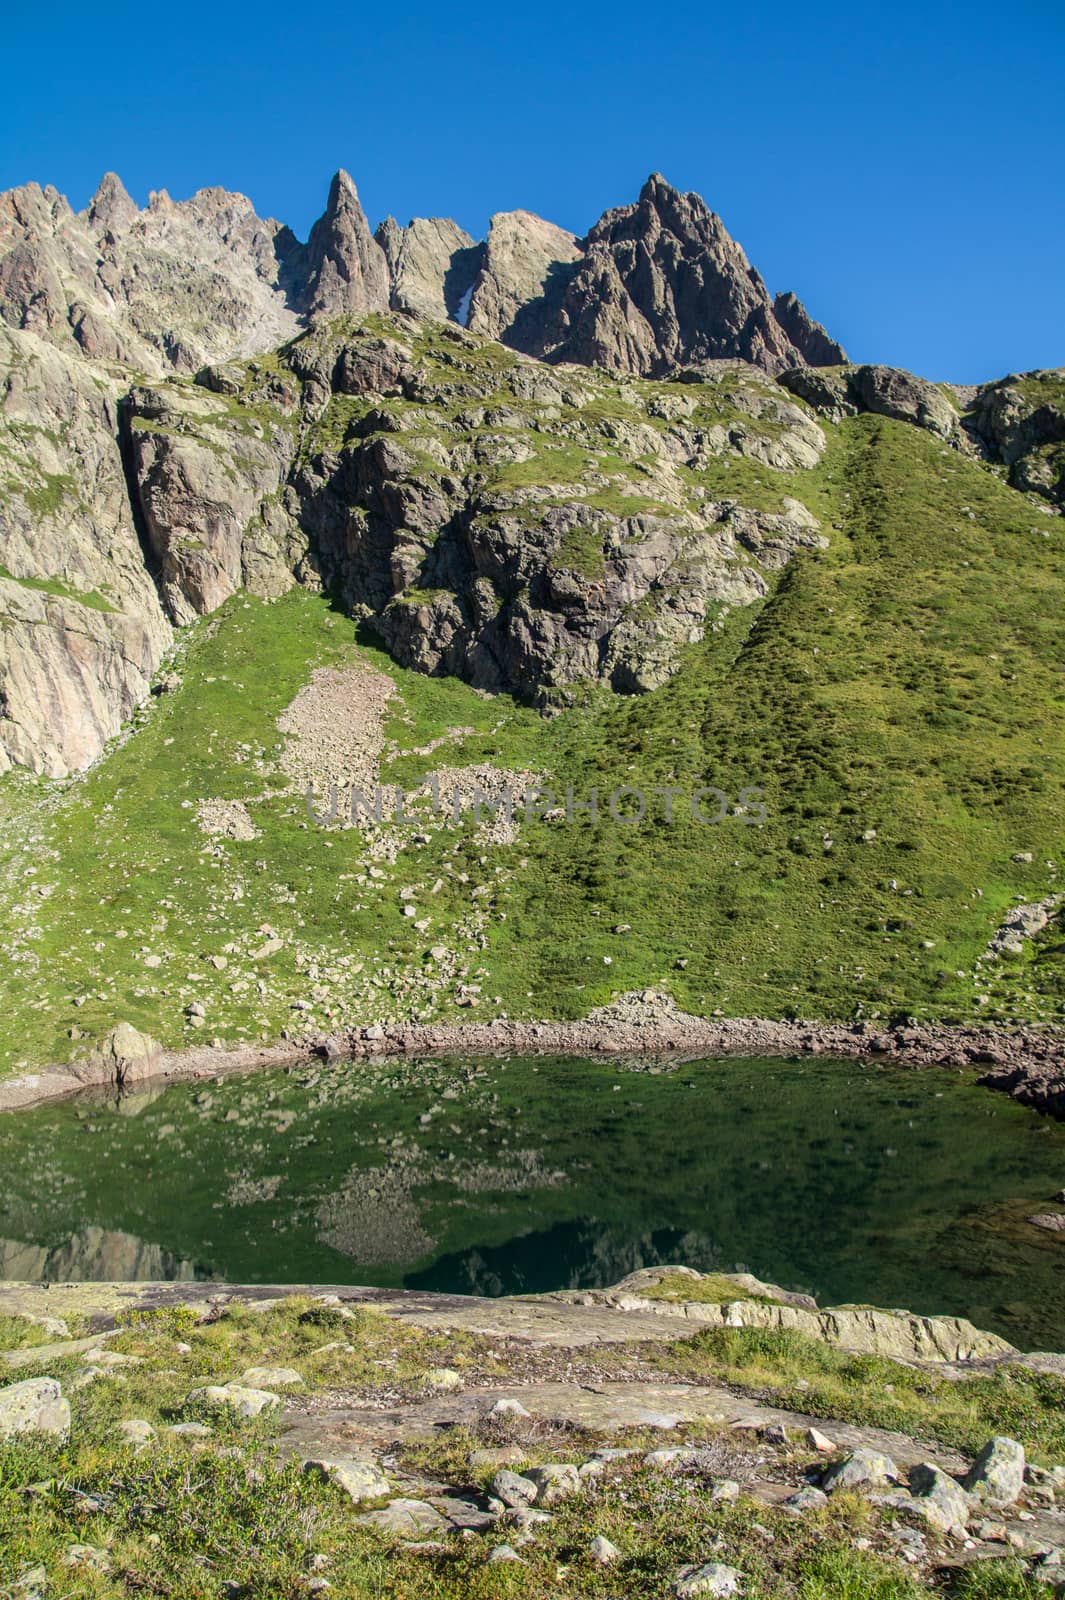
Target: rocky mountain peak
(111, 210)
(663, 284)
(346, 267)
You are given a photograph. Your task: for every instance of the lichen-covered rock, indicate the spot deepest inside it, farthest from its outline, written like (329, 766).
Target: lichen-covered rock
(513, 1488)
(554, 1483)
(938, 1498)
(238, 1397)
(271, 1377)
(862, 1468)
(34, 1406)
(136, 1432)
(361, 1481)
(123, 1056)
(408, 1518)
(714, 1579)
(997, 1474)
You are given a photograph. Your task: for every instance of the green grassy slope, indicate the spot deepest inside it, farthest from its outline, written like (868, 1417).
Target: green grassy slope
(906, 681)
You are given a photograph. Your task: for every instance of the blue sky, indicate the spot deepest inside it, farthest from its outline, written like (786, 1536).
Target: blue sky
(899, 165)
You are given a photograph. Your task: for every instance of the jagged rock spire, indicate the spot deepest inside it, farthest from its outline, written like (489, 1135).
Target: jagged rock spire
(110, 210)
(346, 267)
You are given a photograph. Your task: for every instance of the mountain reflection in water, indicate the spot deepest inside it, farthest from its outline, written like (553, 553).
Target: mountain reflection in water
(851, 1181)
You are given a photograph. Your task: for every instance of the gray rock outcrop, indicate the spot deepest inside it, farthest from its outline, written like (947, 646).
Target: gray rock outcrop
(169, 287)
(1021, 422)
(997, 1474)
(843, 391)
(208, 477)
(524, 257)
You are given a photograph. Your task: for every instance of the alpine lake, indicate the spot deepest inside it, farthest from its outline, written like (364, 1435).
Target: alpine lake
(862, 1184)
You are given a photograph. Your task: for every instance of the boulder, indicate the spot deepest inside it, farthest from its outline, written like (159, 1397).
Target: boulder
(507, 1408)
(714, 1579)
(504, 1553)
(884, 391)
(997, 1474)
(514, 1489)
(406, 1517)
(805, 1499)
(271, 1377)
(445, 1379)
(238, 1397)
(136, 1432)
(34, 1406)
(939, 1499)
(554, 1483)
(862, 1468)
(87, 1555)
(360, 1480)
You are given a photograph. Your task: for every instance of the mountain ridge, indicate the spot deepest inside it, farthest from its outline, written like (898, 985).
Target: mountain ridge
(180, 283)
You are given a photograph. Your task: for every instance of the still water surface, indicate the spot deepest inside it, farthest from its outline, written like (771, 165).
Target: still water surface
(854, 1183)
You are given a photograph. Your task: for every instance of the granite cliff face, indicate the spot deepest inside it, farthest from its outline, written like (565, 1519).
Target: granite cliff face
(163, 289)
(81, 626)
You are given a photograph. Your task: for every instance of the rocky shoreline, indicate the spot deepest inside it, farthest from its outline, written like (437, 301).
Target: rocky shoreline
(1028, 1064)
